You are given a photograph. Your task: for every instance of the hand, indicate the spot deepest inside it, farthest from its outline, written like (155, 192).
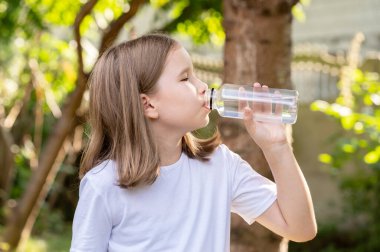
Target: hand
(265, 134)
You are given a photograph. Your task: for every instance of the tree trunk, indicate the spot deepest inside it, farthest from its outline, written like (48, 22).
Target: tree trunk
(257, 49)
(6, 166)
(26, 211)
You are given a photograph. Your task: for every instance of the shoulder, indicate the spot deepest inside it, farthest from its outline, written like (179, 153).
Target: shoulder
(224, 159)
(223, 153)
(102, 177)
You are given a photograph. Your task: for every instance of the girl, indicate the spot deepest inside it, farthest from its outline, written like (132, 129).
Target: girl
(149, 185)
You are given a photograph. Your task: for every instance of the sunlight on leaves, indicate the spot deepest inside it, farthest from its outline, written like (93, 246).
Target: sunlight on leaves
(319, 105)
(349, 148)
(348, 121)
(177, 9)
(3, 7)
(299, 13)
(359, 128)
(325, 158)
(159, 3)
(207, 28)
(371, 157)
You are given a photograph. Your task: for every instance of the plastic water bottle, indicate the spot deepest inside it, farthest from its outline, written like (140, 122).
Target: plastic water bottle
(270, 105)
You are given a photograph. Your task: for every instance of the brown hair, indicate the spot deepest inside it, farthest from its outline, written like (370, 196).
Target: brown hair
(119, 129)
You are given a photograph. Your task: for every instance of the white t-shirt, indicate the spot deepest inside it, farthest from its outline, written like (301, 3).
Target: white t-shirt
(188, 207)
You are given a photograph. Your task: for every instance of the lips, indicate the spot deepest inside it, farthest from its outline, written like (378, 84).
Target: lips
(206, 103)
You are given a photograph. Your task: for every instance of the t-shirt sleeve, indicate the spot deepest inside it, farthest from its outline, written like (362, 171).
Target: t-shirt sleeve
(92, 225)
(252, 193)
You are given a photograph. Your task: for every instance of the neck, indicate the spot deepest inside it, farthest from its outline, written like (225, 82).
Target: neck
(170, 149)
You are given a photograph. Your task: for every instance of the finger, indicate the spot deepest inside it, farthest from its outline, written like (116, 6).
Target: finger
(242, 94)
(248, 119)
(256, 106)
(266, 106)
(248, 114)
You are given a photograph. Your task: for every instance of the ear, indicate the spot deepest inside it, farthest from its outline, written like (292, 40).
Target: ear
(150, 110)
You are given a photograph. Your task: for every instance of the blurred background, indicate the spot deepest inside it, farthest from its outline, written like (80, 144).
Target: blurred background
(329, 50)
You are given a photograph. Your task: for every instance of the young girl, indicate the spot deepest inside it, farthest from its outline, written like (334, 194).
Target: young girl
(149, 185)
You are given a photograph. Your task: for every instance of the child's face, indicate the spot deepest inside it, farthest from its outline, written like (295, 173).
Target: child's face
(180, 94)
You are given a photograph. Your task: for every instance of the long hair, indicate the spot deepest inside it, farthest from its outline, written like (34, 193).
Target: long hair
(119, 129)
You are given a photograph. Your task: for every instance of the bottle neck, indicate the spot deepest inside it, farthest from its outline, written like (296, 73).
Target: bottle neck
(210, 98)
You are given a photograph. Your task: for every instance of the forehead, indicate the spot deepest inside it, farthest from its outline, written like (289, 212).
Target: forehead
(178, 58)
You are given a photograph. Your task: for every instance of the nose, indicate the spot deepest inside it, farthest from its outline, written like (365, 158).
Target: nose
(202, 87)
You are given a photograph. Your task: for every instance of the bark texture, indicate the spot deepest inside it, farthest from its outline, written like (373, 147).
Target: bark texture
(6, 165)
(257, 49)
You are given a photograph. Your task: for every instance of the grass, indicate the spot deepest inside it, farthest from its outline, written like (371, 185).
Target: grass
(47, 242)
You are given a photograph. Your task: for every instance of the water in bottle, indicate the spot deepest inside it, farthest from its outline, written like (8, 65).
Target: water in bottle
(269, 105)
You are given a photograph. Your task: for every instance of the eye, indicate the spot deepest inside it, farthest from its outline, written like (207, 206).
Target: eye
(185, 79)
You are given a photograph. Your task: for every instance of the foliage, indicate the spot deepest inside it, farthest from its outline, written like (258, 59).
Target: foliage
(35, 58)
(360, 122)
(355, 156)
(199, 20)
(15, 14)
(298, 10)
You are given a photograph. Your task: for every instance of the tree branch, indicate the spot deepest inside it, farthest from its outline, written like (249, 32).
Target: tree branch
(6, 164)
(84, 11)
(114, 28)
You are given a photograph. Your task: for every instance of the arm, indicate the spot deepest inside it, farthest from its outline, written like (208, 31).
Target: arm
(91, 225)
(292, 214)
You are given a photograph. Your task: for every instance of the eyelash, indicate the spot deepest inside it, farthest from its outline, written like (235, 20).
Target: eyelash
(185, 79)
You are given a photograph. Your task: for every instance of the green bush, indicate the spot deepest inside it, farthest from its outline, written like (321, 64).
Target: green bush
(355, 157)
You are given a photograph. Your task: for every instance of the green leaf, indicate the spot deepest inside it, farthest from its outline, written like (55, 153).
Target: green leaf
(325, 158)
(348, 148)
(158, 3)
(348, 122)
(358, 75)
(371, 157)
(367, 100)
(363, 143)
(177, 9)
(319, 105)
(359, 128)
(299, 13)
(208, 28)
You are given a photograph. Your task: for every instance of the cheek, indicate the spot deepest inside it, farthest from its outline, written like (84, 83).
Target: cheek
(181, 96)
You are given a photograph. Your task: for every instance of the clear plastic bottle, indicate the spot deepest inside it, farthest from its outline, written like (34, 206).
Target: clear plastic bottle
(272, 105)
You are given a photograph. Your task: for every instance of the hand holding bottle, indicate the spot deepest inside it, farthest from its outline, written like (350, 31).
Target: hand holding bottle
(226, 99)
(265, 133)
